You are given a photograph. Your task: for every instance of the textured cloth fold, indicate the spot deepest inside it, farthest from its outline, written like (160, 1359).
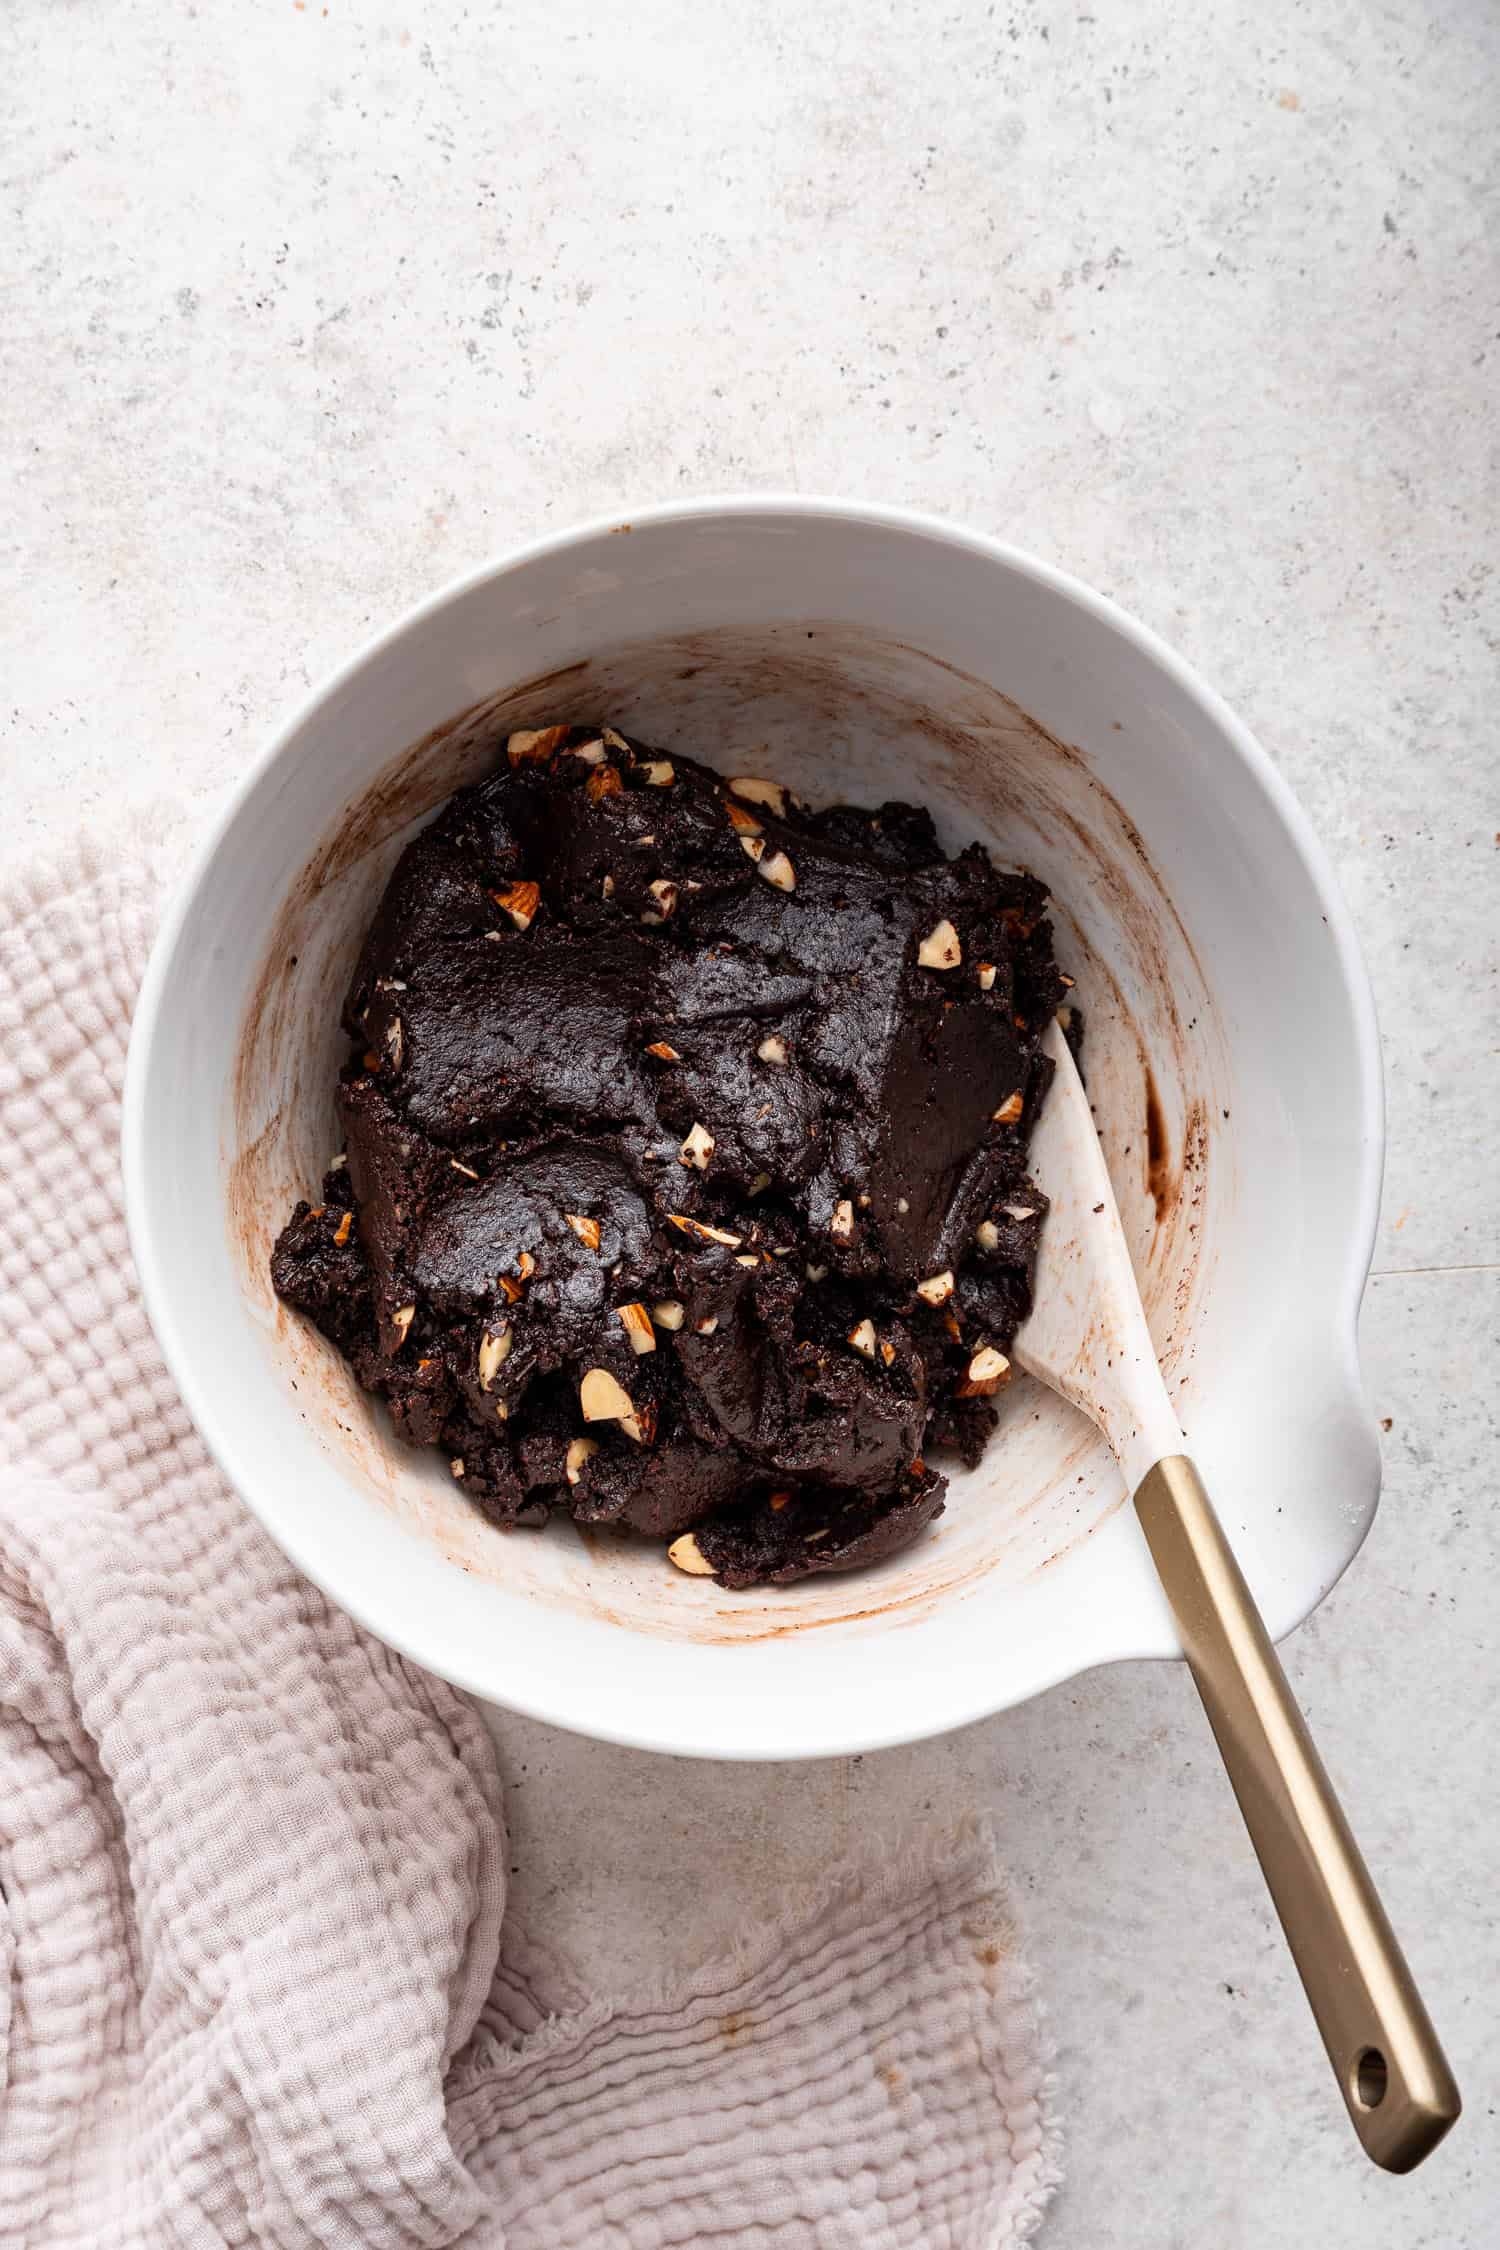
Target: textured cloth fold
(259, 1985)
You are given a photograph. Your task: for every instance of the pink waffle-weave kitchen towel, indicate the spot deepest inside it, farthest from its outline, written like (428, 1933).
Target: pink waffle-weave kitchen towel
(259, 1985)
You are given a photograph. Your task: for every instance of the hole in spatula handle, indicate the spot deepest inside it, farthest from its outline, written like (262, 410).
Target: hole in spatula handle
(1370, 2078)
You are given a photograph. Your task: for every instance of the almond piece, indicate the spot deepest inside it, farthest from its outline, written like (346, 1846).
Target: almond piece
(778, 1501)
(341, 1231)
(697, 1148)
(456, 1465)
(755, 846)
(772, 1050)
(841, 1225)
(816, 1273)
(756, 791)
(940, 948)
(746, 1258)
(580, 1450)
(587, 1230)
(686, 1554)
(1019, 1211)
(665, 895)
(987, 1235)
(663, 1051)
(603, 1399)
(779, 871)
(1009, 1112)
(532, 744)
(703, 1231)
(936, 1289)
(988, 1365)
(745, 822)
(494, 1351)
(615, 741)
(658, 773)
(467, 1170)
(592, 753)
(669, 1314)
(636, 1322)
(603, 782)
(520, 902)
(986, 976)
(395, 1044)
(863, 1338)
(401, 1320)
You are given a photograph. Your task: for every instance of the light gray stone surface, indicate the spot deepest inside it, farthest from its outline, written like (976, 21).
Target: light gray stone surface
(306, 309)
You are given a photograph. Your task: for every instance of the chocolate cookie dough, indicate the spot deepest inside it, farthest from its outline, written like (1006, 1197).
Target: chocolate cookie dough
(685, 1186)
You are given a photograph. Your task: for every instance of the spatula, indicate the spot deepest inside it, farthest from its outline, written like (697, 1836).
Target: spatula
(1087, 1339)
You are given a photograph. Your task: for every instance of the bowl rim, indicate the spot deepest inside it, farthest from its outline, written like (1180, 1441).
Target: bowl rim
(731, 508)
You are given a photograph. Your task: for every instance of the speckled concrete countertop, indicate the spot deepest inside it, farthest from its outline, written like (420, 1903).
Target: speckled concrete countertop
(308, 308)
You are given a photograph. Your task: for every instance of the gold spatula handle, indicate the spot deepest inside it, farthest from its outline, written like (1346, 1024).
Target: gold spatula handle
(1392, 2073)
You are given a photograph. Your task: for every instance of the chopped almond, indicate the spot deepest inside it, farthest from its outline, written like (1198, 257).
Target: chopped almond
(520, 902)
(697, 1148)
(494, 1351)
(704, 1232)
(636, 1322)
(940, 949)
(755, 791)
(534, 744)
(686, 1554)
(603, 1399)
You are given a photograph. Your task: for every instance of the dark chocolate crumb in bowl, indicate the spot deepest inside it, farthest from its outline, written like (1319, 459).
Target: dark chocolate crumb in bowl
(684, 1187)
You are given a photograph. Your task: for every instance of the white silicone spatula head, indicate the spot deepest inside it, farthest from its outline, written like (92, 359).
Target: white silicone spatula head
(1087, 1338)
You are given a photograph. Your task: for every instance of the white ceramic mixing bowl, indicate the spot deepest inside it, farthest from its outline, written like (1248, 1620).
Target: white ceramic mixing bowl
(860, 653)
